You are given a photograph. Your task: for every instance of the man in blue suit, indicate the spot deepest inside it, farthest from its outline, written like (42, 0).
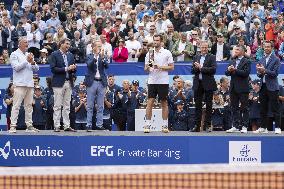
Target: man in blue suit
(63, 68)
(268, 69)
(96, 82)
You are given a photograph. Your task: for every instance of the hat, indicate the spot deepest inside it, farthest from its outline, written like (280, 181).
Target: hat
(35, 76)
(99, 17)
(234, 3)
(256, 20)
(140, 25)
(135, 82)
(146, 14)
(269, 17)
(255, 2)
(44, 50)
(118, 17)
(220, 34)
(179, 102)
(223, 6)
(37, 87)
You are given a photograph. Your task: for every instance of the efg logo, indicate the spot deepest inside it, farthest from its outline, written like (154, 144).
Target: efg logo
(7, 151)
(98, 151)
(244, 152)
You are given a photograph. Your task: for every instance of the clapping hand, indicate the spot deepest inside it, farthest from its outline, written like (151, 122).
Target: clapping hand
(197, 65)
(72, 67)
(30, 58)
(231, 68)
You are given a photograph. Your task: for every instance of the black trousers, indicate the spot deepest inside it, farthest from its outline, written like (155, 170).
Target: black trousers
(198, 98)
(266, 97)
(240, 113)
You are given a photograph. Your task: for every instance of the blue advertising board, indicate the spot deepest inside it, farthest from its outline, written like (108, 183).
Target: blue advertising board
(48, 150)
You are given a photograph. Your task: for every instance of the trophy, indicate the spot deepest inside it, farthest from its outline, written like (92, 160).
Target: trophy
(151, 58)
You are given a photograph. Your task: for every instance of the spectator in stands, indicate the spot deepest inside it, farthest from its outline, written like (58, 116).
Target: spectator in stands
(269, 11)
(152, 32)
(221, 49)
(59, 35)
(52, 23)
(107, 29)
(18, 32)
(41, 25)
(183, 50)
(236, 23)
(50, 44)
(34, 38)
(8, 98)
(187, 26)
(257, 44)
(132, 46)
(43, 56)
(15, 13)
(256, 11)
(241, 42)
(78, 48)
(106, 46)
(220, 27)
(39, 109)
(129, 28)
(120, 53)
(234, 39)
(143, 51)
(2, 61)
(4, 34)
(269, 29)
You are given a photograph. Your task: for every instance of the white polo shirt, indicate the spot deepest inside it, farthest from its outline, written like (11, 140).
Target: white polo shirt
(162, 58)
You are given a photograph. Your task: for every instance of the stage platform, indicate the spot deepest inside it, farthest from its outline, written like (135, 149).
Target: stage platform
(48, 148)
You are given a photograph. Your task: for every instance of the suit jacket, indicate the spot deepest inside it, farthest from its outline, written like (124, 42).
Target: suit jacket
(92, 69)
(272, 69)
(79, 51)
(240, 78)
(57, 66)
(208, 71)
(188, 48)
(226, 50)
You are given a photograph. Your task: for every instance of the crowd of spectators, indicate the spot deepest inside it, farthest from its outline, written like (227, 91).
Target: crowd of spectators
(130, 24)
(126, 29)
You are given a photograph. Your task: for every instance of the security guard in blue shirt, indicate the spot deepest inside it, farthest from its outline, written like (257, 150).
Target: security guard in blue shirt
(136, 98)
(180, 117)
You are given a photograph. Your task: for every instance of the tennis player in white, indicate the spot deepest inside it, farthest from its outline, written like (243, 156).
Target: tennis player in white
(158, 63)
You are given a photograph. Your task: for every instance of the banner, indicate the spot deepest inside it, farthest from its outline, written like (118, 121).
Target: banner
(47, 150)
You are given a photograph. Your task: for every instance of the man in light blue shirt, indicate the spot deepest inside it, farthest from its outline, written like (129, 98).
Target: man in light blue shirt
(23, 65)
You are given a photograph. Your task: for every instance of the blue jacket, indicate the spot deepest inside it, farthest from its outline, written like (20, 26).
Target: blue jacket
(92, 69)
(57, 66)
(272, 69)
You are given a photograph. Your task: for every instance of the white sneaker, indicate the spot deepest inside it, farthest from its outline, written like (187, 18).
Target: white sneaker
(12, 130)
(165, 129)
(244, 130)
(277, 131)
(147, 128)
(31, 129)
(233, 130)
(261, 130)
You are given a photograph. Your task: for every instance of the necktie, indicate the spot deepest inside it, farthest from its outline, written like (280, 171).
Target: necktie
(66, 64)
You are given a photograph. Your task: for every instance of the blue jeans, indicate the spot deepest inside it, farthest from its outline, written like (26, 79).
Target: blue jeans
(95, 93)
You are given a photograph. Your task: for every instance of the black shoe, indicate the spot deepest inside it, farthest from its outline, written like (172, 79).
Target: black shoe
(57, 129)
(195, 129)
(70, 129)
(100, 128)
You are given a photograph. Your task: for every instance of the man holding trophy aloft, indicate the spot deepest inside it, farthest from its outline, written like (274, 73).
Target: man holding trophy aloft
(158, 63)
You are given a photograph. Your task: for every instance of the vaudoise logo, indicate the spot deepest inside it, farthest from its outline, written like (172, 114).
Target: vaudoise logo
(244, 152)
(8, 150)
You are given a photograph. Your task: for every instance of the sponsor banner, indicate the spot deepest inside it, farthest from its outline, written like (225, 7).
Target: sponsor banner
(245, 152)
(47, 150)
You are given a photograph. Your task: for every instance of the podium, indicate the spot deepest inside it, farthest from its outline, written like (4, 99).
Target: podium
(140, 119)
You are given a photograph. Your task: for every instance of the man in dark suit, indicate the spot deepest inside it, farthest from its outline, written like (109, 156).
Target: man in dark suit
(96, 82)
(221, 49)
(268, 69)
(239, 70)
(63, 68)
(78, 48)
(204, 84)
